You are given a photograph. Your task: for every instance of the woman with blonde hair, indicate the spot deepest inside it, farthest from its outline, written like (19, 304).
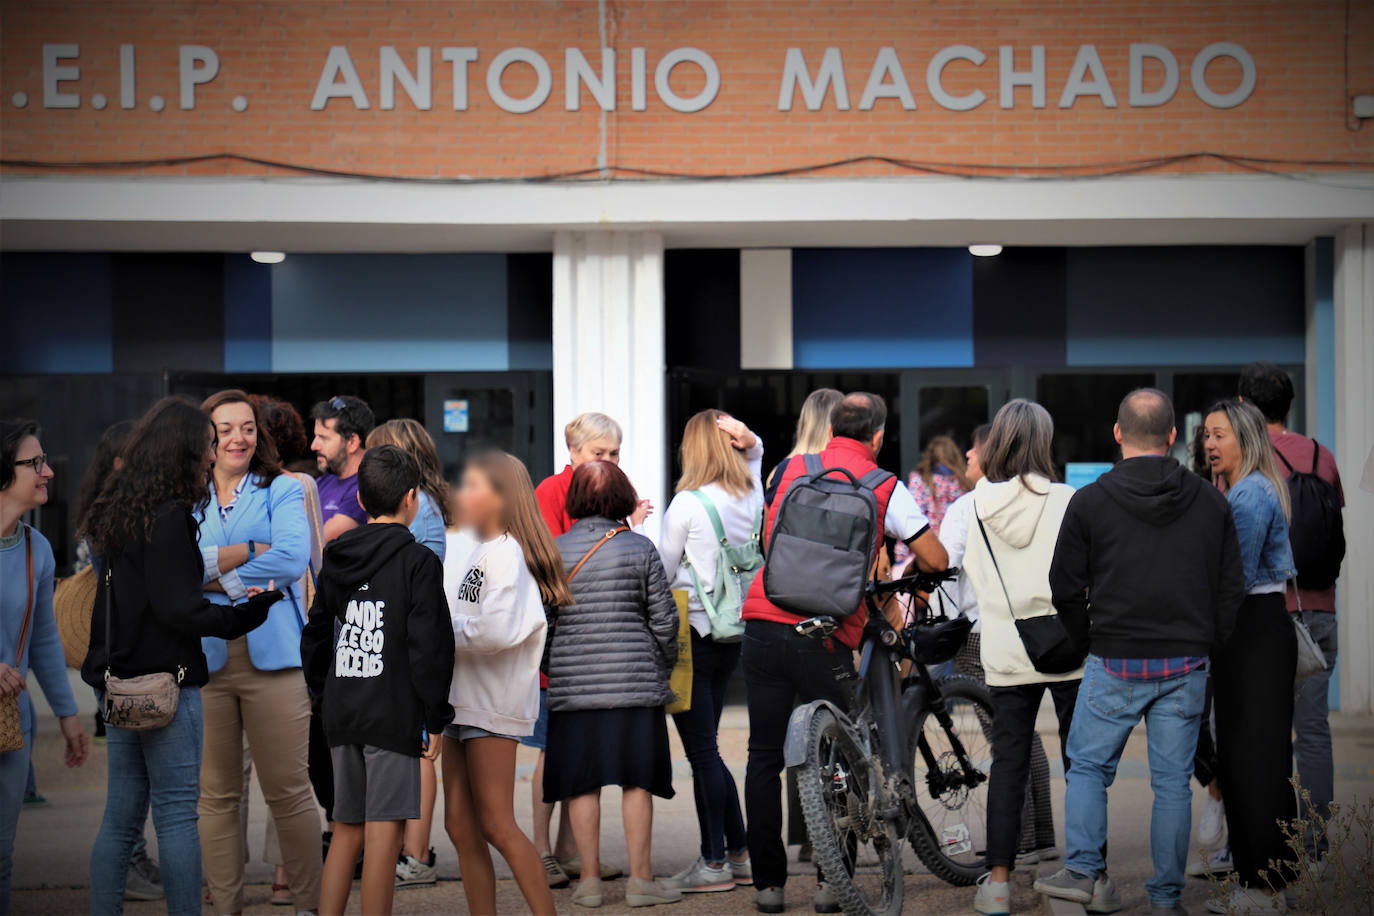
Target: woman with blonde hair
(813, 431)
(1253, 674)
(499, 623)
(433, 519)
(719, 502)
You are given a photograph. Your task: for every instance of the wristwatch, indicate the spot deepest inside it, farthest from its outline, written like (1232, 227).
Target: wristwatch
(252, 550)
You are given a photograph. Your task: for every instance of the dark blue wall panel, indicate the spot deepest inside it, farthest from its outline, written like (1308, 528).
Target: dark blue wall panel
(247, 315)
(1185, 306)
(1019, 308)
(56, 313)
(859, 308)
(381, 312)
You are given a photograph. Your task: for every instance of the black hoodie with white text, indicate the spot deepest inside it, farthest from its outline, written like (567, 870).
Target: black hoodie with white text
(1147, 564)
(379, 642)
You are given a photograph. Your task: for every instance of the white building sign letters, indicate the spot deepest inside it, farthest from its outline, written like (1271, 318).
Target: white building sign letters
(1014, 76)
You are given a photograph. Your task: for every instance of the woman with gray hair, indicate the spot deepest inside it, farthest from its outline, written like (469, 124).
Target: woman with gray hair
(1010, 539)
(1252, 675)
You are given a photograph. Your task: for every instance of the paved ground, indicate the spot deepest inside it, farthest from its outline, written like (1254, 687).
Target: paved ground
(53, 847)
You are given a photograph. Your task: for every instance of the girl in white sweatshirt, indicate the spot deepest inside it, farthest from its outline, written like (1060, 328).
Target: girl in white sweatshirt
(498, 631)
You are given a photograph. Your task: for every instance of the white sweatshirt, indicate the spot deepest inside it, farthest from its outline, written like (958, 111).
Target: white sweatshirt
(687, 531)
(1023, 527)
(498, 633)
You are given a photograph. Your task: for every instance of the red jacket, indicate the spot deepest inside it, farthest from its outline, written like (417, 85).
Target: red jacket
(552, 495)
(855, 457)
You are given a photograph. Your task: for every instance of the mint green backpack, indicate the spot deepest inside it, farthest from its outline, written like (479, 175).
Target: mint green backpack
(736, 567)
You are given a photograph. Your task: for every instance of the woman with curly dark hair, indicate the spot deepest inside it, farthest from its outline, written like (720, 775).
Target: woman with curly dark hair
(142, 525)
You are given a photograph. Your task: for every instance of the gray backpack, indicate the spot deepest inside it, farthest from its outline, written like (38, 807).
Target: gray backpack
(824, 538)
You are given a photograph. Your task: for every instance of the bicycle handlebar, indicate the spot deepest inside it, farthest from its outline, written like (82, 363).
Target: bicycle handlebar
(917, 582)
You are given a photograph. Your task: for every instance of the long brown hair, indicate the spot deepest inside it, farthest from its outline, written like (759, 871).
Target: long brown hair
(265, 463)
(708, 457)
(166, 460)
(942, 450)
(524, 522)
(412, 437)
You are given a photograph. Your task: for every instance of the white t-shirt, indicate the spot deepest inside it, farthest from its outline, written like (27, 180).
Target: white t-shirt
(687, 530)
(954, 535)
(904, 519)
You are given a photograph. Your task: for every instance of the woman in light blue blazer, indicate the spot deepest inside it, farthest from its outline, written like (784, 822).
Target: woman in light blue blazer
(254, 532)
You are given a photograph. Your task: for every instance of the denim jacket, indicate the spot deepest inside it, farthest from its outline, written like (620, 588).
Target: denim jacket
(1262, 531)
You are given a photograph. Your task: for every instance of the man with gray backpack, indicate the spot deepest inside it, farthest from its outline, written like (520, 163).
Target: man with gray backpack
(822, 536)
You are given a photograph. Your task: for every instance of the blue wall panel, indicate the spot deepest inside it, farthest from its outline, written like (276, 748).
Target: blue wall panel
(247, 315)
(56, 313)
(860, 308)
(1185, 306)
(369, 313)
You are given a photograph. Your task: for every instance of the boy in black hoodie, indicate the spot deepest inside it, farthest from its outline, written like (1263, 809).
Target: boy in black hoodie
(379, 647)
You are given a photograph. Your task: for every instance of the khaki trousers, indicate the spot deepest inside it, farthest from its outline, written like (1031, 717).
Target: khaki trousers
(272, 710)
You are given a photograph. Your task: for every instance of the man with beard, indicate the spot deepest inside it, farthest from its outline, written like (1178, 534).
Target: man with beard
(341, 426)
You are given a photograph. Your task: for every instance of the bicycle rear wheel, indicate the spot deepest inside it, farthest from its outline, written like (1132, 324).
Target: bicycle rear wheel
(952, 838)
(859, 850)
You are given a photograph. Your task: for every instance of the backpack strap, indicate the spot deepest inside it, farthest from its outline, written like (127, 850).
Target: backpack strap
(1316, 456)
(1289, 466)
(875, 478)
(813, 464)
(714, 515)
(28, 601)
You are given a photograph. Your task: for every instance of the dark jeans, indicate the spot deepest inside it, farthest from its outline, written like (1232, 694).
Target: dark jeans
(779, 666)
(717, 799)
(1013, 732)
(1252, 682)
(1312, 730)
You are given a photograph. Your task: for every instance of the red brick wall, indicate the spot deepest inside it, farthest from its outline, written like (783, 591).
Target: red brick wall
(273, 53)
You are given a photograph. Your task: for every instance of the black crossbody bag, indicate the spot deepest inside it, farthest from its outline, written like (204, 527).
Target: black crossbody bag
(1047, 641)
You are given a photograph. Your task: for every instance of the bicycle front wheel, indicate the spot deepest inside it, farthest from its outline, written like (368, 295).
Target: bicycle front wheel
(952, 789)
(857, 847)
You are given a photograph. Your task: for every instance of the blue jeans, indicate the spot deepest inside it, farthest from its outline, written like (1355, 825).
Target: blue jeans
(158, 768)
(1108, 708)
(717, 799)
(14, 773)
(1312, 729)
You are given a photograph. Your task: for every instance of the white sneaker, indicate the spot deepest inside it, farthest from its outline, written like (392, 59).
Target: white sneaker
(701, 877)
(1243, 900)
(411, 872)
(1212, 863)
(993, 897)
(1211, 830)
(1105, 897)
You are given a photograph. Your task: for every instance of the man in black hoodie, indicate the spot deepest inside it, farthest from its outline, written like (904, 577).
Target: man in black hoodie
(379, 646)
(1147, 573)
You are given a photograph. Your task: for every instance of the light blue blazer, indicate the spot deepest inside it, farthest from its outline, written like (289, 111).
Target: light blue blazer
(428, 527)
(273, 515)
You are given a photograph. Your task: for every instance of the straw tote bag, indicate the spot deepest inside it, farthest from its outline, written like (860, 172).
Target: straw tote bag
(11, 726)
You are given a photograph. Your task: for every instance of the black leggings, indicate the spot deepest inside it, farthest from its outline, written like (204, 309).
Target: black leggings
(1252, 683)
(1013, 728)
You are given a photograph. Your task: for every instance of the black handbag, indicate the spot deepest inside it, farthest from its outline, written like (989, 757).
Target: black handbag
(1047, 641)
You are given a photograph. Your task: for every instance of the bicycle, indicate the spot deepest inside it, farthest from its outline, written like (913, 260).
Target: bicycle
(909, 764)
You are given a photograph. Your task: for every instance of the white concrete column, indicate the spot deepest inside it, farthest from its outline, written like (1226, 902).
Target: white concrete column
(765, 308)
(1354, 320)
(608, 350)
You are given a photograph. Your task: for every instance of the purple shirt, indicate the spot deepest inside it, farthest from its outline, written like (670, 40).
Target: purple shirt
(339, 496)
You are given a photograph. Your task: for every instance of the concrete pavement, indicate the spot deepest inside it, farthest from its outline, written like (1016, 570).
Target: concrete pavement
(53, 846)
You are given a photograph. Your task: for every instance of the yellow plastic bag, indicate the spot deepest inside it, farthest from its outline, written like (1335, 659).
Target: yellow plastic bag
(681, 679)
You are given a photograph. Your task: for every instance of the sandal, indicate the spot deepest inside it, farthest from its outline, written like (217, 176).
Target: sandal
(281, 895)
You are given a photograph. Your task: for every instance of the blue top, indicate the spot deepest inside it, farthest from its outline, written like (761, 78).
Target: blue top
(428, 526)
(43, 655)
(272, 515)
(1262, 530)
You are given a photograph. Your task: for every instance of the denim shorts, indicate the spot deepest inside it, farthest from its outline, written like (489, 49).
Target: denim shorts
(540, 738)
(468, 732)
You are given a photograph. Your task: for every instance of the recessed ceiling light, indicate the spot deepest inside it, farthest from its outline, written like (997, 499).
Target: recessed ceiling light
(276, 257)
(985, 251)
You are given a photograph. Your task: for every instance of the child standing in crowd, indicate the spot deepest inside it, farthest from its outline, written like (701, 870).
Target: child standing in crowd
(498, 621)
(386, 675)
(1253, 674)
(590, 436)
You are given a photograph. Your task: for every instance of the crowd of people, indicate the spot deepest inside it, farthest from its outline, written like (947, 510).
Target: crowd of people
(342, 623)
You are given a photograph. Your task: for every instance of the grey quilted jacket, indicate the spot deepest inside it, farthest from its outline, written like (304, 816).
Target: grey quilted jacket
(615, 647)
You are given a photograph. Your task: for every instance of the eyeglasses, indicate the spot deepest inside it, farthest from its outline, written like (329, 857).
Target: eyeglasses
(37, 462)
